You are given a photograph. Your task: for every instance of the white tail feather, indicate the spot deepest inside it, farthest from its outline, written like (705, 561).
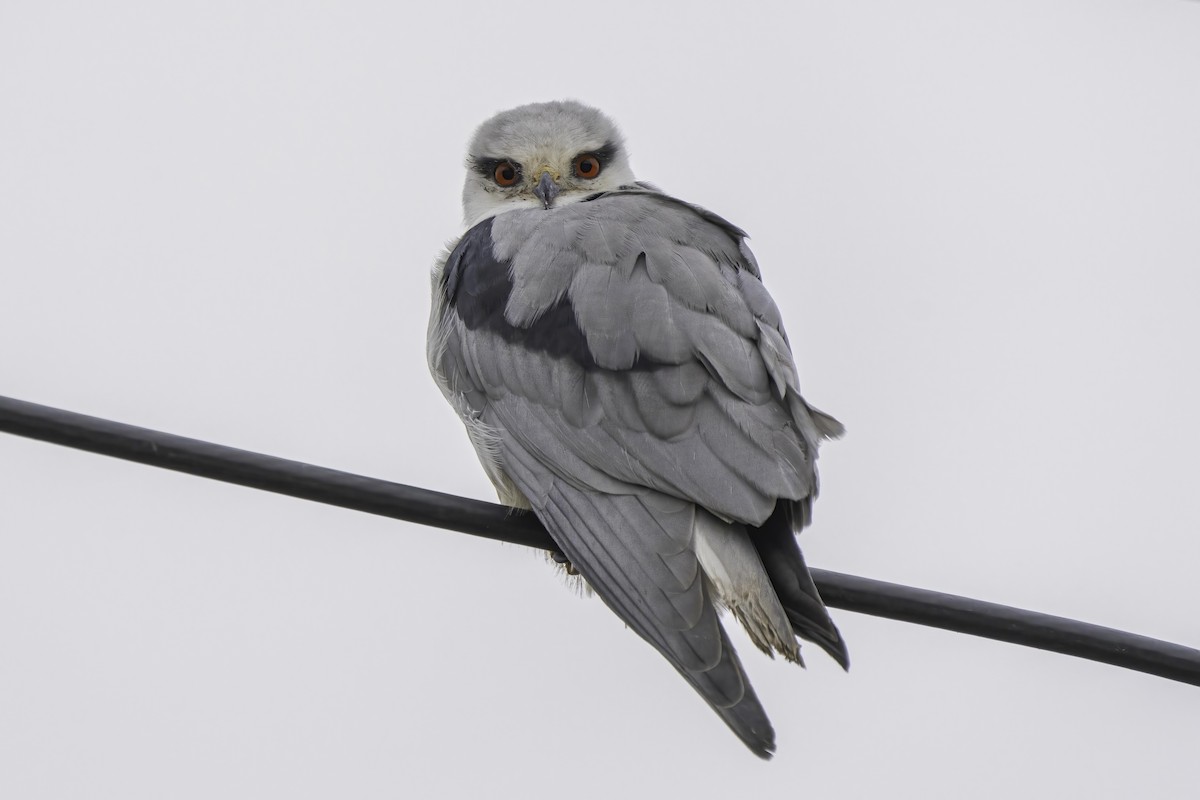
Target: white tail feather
(735, 570)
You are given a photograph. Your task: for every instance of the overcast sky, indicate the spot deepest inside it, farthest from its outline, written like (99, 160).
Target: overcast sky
(982, 223)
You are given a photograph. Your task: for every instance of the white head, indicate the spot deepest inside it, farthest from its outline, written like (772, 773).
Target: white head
(542, 155)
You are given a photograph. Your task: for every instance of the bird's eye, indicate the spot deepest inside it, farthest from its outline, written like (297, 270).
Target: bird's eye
(506, 173)
(587, 165)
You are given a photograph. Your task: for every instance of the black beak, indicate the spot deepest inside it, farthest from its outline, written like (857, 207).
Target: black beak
(546, 190)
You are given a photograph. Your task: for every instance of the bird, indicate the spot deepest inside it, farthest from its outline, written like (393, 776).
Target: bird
(623, 373)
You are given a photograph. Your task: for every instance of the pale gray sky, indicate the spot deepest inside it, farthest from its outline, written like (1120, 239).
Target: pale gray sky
(982, 221)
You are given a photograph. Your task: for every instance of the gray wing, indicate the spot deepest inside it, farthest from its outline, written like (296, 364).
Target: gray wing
(632, 324)
(635, 550)
(623, 356)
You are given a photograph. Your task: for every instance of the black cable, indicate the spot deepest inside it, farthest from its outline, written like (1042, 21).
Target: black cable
(408, 503)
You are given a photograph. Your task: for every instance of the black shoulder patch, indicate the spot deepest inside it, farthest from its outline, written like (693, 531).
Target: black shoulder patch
(475, 283)
(477, 286)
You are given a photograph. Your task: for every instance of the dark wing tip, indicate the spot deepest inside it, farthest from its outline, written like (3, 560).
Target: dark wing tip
(811, 621)
(837, 650)
(776, 543)
(828, 639)
(750, 724)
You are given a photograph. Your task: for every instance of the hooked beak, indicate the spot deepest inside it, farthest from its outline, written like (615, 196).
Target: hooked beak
(546, 190)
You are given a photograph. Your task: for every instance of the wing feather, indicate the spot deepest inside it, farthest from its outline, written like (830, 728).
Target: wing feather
(640, 562)
(700, 396)
(629, 375)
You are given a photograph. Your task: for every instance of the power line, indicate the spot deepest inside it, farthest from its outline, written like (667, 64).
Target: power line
(374, 496)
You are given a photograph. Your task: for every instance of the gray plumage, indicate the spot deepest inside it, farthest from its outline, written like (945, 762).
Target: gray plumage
(623, 372)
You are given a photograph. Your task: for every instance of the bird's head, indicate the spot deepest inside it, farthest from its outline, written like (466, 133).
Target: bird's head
(542, 155)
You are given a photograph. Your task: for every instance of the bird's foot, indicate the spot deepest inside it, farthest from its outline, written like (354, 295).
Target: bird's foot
(565, 562)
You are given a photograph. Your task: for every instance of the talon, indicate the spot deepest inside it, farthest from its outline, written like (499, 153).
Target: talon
(559, 558)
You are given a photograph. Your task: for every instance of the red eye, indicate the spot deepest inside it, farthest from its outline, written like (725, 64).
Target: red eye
(506, 173)
(587, 165)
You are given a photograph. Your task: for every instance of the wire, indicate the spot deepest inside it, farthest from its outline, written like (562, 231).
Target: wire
(374, 496)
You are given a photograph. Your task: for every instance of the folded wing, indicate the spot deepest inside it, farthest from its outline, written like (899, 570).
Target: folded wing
(620, 363)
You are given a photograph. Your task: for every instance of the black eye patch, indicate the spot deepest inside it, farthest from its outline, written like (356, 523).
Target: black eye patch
(487, 166)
